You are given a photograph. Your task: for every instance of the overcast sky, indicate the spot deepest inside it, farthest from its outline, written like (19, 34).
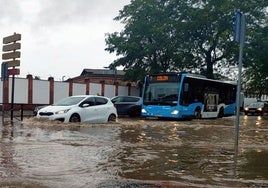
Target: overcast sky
(61, 37)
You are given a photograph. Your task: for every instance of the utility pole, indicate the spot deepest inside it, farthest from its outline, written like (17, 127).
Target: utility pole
(239, 37)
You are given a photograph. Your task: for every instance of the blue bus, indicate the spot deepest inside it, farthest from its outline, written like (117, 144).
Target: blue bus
(187, 96)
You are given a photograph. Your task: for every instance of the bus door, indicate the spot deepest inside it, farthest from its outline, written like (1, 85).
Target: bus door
(211, 101)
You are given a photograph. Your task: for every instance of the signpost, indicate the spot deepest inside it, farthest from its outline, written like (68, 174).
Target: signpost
(13, 38)
(239, 37)
(10, 48)
(13, 71)
(12, 63)
(11, 55)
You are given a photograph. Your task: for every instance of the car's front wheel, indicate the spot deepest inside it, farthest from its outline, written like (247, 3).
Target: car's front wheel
(75, 118)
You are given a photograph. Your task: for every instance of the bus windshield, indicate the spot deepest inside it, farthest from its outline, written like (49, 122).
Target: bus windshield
(161, 93)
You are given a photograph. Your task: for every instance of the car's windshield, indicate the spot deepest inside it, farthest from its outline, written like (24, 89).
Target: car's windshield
(69, 101)
(256, 105)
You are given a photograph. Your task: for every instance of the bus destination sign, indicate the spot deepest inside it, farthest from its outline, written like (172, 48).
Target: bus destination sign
(163, 78)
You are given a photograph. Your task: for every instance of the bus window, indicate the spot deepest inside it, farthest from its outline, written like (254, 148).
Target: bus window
(211, 102)
(193, 91)
(186, 87)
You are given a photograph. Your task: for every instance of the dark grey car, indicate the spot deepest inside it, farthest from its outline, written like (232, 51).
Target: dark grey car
(37, 108)
(127, 105)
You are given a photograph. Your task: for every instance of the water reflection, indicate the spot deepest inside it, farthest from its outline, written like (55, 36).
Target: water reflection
(8, 166)
(137, 153)
(256, 161)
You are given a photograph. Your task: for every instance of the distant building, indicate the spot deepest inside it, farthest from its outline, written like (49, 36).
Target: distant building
(107, 76)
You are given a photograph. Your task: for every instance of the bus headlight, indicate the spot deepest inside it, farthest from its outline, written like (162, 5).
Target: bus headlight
(175, 112)
(143, 111)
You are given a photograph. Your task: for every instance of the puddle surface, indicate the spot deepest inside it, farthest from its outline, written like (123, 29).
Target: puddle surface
(134, 153)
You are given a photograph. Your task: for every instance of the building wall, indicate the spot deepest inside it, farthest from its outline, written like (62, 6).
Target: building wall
(40, 92)
(35, 92)
(20, 88)
(61, 90)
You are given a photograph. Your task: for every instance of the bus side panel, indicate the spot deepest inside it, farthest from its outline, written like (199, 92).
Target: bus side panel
(229, 109)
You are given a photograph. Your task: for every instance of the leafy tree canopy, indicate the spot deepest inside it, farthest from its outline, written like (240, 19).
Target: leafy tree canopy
(181, 35)
(256, 73)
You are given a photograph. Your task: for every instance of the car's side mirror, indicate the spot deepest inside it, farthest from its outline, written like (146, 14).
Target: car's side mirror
(85, 105)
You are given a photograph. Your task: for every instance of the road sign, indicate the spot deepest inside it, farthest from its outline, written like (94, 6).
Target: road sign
(13, 63)
(239, 27)
(11, 47)
(12, 38)
(13, 71)
(4, 72)
(11, 55)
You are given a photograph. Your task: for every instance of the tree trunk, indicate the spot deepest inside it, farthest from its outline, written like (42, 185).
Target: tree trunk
(209, 66)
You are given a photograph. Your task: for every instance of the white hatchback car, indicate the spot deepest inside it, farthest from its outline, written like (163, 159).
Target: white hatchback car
(80, 108)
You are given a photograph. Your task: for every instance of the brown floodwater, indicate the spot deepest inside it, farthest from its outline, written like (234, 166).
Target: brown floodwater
(134, 153)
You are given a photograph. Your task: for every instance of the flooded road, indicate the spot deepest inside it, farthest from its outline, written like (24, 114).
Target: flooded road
(135, 153)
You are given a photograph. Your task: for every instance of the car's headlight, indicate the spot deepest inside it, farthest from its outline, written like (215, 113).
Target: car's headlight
(175, 112)
(246, 109)
(260, 109)
(62, 111)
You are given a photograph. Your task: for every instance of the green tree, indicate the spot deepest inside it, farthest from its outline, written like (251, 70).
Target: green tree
(179, 35)
(37, 78)
(146, 44)
(256, 73)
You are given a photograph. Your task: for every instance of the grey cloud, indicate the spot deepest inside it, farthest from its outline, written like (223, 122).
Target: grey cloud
(44, 15)
(10, 12)
(54, 13)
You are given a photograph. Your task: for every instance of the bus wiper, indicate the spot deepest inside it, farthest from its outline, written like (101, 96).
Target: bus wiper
(172, 96)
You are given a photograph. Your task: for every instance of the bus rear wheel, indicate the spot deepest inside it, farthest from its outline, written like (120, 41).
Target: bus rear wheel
(221, 113)
(197, 113)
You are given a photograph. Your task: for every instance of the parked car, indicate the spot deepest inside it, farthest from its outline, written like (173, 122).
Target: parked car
(80, 108)
(256, 108)
(127, 105)
(36, 109)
